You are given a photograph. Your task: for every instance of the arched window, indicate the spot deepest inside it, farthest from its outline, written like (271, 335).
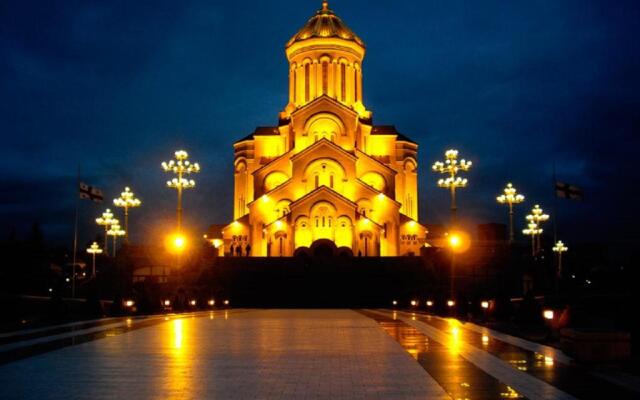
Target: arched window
(343, 83)
(331, 181)
(306, 82)
(325, 77)
(295, 84)
(273, 180)
(375, 180)
(355, 82)
(317, 178)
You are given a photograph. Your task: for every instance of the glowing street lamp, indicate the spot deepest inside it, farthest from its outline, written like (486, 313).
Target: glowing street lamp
(181, 167)
(450, 167)
(106, 220)
(559, 248)
(126, 200)
(458, 242)
(115, 231)
(532, 230)
(537, 216)
(179, 243)
(93, 250)
(510, 197)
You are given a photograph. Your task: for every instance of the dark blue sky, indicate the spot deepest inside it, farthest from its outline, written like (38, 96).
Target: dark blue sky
(117, 86)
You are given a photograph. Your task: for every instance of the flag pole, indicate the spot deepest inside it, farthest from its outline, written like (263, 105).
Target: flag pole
(75, 237)
(555, 204)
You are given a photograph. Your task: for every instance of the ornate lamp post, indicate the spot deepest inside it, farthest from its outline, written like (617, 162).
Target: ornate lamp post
(93, 250)
(559, 248)
(450, 167)
(510, 197)
(532, 230)
(126, 200)
(115, 231)
(537, 216)
(106, 220)
(180, 167)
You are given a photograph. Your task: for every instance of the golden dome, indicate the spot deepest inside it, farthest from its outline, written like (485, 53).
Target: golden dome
(325, 24)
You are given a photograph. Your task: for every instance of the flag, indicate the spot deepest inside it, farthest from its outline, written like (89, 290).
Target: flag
(566, 191)
(90, 193)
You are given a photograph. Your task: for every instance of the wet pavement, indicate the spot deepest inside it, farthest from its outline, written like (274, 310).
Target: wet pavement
(289, 354)
(561, 374)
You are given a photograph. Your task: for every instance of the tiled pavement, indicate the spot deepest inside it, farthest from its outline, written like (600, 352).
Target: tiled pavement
(288, 354)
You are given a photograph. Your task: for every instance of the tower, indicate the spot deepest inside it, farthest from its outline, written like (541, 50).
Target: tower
(325, 175)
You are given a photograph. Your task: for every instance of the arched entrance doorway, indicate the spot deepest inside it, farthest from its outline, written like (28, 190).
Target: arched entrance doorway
(323, 248)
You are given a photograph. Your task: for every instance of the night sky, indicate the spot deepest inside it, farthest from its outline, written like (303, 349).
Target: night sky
(117, 86)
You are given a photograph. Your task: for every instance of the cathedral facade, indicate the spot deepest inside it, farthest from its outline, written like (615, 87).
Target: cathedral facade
(325, 178)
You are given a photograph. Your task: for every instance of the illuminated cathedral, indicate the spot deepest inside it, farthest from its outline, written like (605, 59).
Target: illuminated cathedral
(325, 178)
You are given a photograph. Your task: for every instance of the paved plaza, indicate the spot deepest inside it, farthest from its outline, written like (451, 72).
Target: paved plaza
(290, 354)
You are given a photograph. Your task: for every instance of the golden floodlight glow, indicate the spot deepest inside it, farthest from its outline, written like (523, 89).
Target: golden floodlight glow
(548, 314)
(176, 243)
(454, 241)
(458, 241)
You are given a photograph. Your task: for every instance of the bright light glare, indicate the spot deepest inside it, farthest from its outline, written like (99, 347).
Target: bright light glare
(454, 241)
